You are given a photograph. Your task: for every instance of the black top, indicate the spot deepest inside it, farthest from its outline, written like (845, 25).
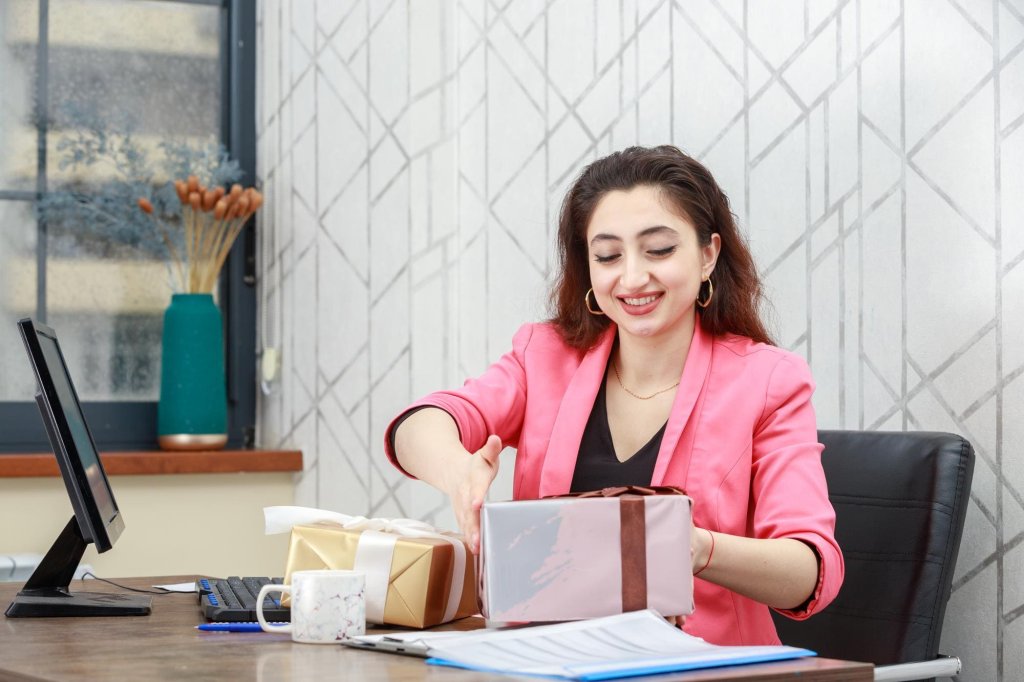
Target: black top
(597, 466)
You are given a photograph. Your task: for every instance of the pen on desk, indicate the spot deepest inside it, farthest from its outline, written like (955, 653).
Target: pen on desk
(232, 627)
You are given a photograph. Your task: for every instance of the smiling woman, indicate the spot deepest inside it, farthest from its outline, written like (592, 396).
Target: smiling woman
(655, 370)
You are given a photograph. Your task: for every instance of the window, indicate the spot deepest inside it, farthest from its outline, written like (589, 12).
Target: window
(181, 70)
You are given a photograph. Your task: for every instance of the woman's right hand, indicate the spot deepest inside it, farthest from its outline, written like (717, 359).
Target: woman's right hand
(467, 484)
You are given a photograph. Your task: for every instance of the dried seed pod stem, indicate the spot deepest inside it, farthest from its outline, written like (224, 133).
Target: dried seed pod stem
(147, 207)
(236, 227)
(209, 250)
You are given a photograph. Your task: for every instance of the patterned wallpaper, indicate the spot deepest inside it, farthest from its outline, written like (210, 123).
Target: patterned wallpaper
(414, 155)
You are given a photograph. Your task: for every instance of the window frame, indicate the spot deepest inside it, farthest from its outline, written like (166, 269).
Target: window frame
(132, 425)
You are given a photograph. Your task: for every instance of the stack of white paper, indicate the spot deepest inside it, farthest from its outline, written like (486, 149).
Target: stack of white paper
(636, 643)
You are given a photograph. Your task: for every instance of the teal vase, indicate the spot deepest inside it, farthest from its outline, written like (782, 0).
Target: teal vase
(192, 414)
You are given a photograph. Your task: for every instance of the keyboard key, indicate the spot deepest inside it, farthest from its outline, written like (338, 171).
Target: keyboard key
(242, 594)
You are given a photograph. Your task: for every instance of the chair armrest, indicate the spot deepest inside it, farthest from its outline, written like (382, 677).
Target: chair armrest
(942, 666)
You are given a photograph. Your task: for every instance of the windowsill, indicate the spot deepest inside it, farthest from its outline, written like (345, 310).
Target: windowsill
(161, 462)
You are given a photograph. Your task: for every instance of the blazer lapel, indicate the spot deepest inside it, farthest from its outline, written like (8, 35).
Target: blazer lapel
(691, 385)
(573, 413)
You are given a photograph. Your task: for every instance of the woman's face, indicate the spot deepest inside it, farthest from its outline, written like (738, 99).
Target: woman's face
(646, 264)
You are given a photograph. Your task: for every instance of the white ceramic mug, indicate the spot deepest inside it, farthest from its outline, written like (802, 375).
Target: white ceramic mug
(327, 606)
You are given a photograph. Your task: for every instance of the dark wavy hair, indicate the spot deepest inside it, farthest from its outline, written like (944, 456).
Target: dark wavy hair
(692, 190)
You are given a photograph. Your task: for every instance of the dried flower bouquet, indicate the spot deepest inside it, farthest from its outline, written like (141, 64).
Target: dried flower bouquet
(211, 217)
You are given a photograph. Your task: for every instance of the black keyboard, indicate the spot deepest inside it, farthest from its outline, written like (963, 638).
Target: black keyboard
(233, 600)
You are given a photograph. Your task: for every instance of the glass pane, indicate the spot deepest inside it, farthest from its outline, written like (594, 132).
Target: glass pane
(19, 30)
(108, 313)
(149, 70)
(125, 78)
(17, 297)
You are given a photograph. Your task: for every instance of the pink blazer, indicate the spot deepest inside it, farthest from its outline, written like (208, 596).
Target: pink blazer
(741, 440)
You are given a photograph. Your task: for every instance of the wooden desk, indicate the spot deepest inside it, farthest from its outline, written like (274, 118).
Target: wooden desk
(165, 646)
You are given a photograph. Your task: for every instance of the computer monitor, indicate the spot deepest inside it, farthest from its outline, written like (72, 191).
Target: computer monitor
(96, 517)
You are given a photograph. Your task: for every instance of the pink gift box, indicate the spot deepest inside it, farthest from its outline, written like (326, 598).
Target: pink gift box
(575, 557)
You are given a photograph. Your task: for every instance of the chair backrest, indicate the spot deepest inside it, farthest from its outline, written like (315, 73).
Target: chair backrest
(900, 501)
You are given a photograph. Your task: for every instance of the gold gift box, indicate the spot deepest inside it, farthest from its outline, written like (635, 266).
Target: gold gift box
(420, 578)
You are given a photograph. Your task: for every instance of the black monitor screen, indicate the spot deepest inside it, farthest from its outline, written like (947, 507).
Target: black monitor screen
(88, 488)
(81, 439)
(96, 519)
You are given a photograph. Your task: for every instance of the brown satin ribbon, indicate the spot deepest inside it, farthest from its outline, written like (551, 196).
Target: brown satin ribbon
(632, 537)
(633, 549)
(619, 491)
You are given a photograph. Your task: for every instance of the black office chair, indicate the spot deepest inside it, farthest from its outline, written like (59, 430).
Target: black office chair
(900, 501)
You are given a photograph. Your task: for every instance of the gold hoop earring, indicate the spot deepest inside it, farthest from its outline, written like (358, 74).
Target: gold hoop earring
(586, 302)
(711, 292)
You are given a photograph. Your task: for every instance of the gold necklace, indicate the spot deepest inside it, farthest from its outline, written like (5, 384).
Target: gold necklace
(640, 397)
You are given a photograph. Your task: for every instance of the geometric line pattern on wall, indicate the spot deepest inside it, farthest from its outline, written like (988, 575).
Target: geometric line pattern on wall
(414, 156)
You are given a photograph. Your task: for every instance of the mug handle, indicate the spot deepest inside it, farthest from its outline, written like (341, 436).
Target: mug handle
(266, 589)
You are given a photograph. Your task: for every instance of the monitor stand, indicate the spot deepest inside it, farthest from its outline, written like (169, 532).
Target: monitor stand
(46, 592)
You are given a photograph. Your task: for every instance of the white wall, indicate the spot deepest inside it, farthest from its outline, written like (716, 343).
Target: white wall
(414, 154)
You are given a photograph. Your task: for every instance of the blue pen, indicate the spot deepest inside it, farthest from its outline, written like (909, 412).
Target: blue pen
(232, 627)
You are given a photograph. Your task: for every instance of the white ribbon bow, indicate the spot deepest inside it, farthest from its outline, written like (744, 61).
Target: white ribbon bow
(375, 549)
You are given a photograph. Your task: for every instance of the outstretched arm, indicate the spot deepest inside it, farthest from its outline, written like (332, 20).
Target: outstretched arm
(427, 446)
